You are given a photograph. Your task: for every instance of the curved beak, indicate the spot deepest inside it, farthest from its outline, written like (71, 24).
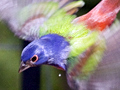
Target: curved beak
(23, 67)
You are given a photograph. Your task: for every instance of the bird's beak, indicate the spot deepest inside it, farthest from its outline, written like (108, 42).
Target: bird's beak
(23, 67)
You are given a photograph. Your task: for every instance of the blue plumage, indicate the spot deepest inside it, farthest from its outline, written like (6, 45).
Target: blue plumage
(50, 49)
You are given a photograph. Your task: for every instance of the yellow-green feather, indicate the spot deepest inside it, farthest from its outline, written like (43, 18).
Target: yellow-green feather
(59, 22)
(91, 63)
(79, 37)
(94, 60)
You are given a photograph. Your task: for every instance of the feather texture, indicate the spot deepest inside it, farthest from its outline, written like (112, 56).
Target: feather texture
(92, 56)
(26, 17)
(106, 75)
(101, 16)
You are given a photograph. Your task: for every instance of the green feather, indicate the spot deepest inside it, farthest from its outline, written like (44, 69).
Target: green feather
(94, 60)
(59, 22)
(41, 17)
(84, 69)
(79, 37)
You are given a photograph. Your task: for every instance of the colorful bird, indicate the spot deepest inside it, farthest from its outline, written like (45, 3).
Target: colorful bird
(81, 46)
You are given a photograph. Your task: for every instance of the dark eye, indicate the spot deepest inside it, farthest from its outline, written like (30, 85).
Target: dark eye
(34, 58)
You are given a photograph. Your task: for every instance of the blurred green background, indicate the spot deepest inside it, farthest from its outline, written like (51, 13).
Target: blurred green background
(10, 50)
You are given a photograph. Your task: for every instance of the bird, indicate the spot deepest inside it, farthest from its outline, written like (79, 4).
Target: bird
(84, 47)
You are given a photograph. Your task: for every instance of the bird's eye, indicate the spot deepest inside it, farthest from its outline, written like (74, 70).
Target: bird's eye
(34, 58)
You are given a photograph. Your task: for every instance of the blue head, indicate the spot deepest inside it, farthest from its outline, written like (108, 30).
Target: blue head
(50, 49)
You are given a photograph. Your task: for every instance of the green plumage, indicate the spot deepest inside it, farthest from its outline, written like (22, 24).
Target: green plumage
(79, 37)
(58, 21)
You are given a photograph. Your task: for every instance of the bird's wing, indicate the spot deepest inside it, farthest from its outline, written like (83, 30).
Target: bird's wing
(107, 75)
(24, 17)
(89, 73)
(101, 16)
(96, 69)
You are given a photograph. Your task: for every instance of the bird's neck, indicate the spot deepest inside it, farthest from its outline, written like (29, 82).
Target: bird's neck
(58, 64)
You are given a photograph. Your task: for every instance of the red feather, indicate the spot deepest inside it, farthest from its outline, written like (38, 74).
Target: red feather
(100, 16)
